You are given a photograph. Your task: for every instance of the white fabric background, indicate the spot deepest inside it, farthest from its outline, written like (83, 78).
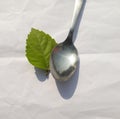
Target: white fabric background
(94, 91)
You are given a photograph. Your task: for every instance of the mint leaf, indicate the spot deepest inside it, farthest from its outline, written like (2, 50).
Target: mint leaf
(38, 48)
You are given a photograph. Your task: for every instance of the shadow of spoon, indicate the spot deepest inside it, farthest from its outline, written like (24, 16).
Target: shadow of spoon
(67, 88)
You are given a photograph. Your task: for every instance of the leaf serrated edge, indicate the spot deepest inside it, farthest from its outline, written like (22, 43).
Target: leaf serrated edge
(33, 29)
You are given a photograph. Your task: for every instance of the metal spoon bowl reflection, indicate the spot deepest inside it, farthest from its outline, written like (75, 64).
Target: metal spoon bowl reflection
(64, 57)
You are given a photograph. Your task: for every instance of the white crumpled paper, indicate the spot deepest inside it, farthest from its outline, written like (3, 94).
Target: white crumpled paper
(94, 91)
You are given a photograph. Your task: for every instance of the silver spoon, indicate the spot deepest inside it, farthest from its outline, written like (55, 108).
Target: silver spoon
(64, 57)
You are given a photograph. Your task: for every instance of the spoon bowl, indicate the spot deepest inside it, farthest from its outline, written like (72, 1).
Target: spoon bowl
(64, 60)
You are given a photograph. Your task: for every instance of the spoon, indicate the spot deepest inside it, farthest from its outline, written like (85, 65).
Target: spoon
(64, 57)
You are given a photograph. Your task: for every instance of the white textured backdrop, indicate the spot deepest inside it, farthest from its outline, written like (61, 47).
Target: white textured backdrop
(94, 91)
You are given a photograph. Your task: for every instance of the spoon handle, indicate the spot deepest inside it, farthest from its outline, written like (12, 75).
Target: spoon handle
(77, 8)
(79, 4)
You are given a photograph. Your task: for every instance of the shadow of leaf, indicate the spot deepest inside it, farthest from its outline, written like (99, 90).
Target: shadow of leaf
(41, 74)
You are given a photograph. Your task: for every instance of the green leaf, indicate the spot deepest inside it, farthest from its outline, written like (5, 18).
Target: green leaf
(38, 48)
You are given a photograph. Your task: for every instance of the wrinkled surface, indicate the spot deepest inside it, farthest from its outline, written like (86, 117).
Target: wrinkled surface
(94, 91)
